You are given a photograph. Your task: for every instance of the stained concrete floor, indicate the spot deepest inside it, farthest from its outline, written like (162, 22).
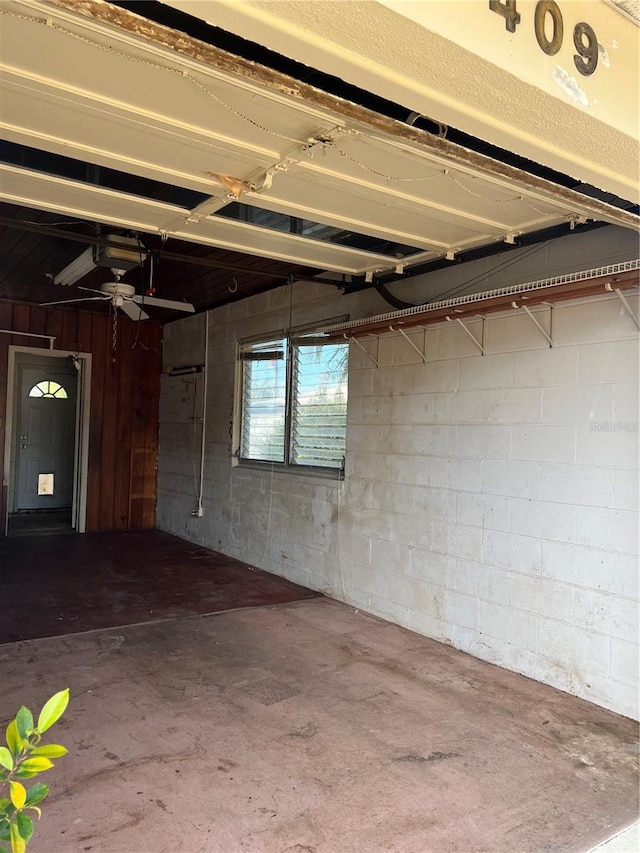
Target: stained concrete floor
(308, 727)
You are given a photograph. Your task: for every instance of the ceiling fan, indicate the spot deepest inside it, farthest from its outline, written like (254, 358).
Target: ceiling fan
(124, 296)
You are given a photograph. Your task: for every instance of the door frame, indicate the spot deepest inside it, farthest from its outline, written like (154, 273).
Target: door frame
(81, 448)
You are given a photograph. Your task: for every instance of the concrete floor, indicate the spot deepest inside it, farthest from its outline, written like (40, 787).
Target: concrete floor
(308, 727)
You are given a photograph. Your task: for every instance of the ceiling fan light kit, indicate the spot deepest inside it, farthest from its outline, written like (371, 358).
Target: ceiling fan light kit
(115, 253)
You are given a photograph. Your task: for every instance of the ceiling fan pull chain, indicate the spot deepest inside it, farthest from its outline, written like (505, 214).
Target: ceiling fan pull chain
(114, 334)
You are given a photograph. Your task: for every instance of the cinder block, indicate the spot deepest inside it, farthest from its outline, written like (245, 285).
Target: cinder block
(431, 440)
(361, 576)
(391, 557)
(542, 596)
(414, 594)
(510, 624)
(543, 443)
(582, 652)
(610, 529)
(464, 474)
(457, 540)
(489, 371)
(626, 405)
(626, 489)
(512, 406)
(607, 614)
(543, 520)
(616, 361)
(577, 404)
(512, 478)
(609, 693)
(545, 367)
(354, 410)
(475, 643)
(360, 383)
(482, 442)
(467, 407)
(509, 551)
(389, 610)
(413, 409)
(376, 410)
(409, 530)
(515, 331)
(625, 662)
(576, 484)
(439, 504)
(449, 341)
(608, 444)
(431, 567)
(426, 625)
(394, 349)
(481, 581)
(484, 511)
(601, 319)
(460, 609)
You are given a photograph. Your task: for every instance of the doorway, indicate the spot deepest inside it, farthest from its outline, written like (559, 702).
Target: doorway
(47, 443)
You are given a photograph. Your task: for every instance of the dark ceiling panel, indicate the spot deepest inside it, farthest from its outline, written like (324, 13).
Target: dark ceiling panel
(204, 276)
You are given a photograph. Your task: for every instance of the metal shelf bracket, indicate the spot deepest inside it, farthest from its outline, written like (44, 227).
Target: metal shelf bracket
(548, 336)
(479, 344)
(608, 286)
(364, 350)
(421, 353)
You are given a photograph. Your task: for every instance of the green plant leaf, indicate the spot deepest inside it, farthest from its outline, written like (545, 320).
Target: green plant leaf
(25, 826)
(18, 794)
(53, 709)
(5, 831)
(24, 774)
(51, 750)
(36, 794)
(18, 844)
(24, 722)
(36, 765)
(14, 741)
(6, 759)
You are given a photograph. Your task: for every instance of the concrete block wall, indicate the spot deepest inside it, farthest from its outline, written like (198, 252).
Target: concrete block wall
(489, 502)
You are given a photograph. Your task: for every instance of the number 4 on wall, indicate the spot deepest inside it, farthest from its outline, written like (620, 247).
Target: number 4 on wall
(508, 11)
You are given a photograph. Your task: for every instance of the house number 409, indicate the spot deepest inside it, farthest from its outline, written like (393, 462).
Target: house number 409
(584, 38)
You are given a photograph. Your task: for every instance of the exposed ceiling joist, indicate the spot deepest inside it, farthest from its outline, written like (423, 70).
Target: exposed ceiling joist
(96, 84)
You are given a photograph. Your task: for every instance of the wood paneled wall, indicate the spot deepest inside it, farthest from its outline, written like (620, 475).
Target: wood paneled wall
(125, 392)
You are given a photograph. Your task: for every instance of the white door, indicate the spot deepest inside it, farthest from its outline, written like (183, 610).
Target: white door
(45, 435)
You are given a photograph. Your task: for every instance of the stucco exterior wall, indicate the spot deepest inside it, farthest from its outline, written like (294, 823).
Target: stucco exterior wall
(488, 501)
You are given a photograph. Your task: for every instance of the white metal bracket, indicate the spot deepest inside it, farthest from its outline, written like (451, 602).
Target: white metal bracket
(548, 335)
(478, 343)
(421, 353)
(364, 350)
(608, 286)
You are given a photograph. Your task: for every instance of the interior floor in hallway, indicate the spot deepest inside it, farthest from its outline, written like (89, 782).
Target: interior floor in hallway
(39, 523)
(64, 584)
(309, 727)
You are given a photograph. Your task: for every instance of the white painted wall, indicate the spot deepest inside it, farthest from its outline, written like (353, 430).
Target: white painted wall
(489, 502)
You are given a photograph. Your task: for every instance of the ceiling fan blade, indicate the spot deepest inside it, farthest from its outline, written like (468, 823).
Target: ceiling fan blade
(82, 299)
(91, 290)
(133, 311)
(164, 303)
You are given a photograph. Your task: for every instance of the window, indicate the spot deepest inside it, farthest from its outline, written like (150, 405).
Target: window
(48, 389)
(293, 402)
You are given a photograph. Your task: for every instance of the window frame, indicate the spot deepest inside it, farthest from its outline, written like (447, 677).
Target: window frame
(300, 337)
